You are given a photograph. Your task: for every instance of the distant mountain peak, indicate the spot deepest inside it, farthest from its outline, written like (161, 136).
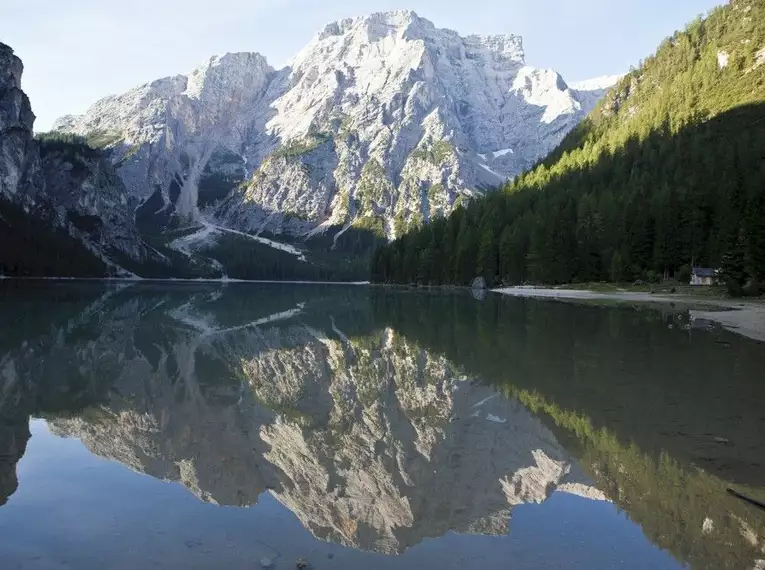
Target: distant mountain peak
(408, 25)
(380, 23)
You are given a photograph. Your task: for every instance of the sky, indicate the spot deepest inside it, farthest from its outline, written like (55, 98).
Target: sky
(77, 51)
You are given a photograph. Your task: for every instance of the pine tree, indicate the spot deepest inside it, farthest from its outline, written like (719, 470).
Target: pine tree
(732, 271)
(487, 257)
(618, 267)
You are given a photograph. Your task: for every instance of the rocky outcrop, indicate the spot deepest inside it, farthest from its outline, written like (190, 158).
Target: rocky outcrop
(379, 123)
(18, 152)
(89, 199)
(165, 134)
(67, 187)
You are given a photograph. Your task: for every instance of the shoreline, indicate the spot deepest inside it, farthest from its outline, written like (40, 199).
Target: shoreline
(222, 281)
(742, 317)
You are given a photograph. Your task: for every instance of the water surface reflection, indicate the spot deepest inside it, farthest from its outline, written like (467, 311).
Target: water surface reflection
(370, 426)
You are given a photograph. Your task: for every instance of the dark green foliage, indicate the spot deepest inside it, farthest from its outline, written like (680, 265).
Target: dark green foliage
(71, 147)
(732, 269)
(754, 224)
(664, 172)
(683, 274)
(31, 246)
(103, 139)
(243, 258)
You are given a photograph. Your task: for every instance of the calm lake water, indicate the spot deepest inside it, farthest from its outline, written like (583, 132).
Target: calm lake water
(198, 426)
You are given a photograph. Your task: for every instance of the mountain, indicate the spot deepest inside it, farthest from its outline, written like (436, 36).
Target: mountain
(666, 172)
(380, 123)
(63, 209)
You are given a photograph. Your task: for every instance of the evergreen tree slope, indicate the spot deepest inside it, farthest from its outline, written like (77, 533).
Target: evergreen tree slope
(668, 170)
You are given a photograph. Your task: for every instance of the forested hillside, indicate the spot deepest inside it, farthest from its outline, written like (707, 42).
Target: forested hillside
(669, 170)
(33, 246)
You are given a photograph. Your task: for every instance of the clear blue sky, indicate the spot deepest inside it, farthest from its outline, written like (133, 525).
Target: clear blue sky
(76, 51)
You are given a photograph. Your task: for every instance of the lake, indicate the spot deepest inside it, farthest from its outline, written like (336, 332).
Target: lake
(202, 426)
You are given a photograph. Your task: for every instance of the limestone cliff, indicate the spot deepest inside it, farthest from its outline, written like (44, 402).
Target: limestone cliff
(380, 122)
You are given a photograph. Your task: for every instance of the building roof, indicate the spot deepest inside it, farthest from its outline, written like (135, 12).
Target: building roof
(704, 272)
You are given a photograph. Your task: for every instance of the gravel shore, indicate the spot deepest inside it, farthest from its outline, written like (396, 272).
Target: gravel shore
(746, 318)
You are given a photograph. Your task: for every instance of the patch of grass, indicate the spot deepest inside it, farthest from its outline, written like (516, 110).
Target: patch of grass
(72, 147)
(461, 201)
(300, 147)
(345, 126)
(296, 216)
(132, 151)
(373, 184)
(436, 192)
(437, 154)
(103, 139)
(303, 419)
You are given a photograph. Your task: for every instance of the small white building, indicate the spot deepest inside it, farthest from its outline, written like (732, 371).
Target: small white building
(703, 276)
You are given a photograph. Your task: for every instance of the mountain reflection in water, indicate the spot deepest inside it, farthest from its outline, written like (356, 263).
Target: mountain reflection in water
(383, 418)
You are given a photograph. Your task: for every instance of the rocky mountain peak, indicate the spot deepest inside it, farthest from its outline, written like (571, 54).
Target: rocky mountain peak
(408, 25)
(381, 122)
(375, 26)
(506, 47)
(244, 71)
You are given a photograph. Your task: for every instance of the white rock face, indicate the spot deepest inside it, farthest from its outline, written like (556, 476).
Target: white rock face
(380, 122)
(168, 130)
(760, 55)
(723, 58)
(604, 82)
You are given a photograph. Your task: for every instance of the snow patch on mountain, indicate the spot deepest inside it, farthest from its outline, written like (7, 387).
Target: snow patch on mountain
(597, 83)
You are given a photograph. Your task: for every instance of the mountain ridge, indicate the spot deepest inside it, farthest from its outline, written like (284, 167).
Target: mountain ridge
(390, 87)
